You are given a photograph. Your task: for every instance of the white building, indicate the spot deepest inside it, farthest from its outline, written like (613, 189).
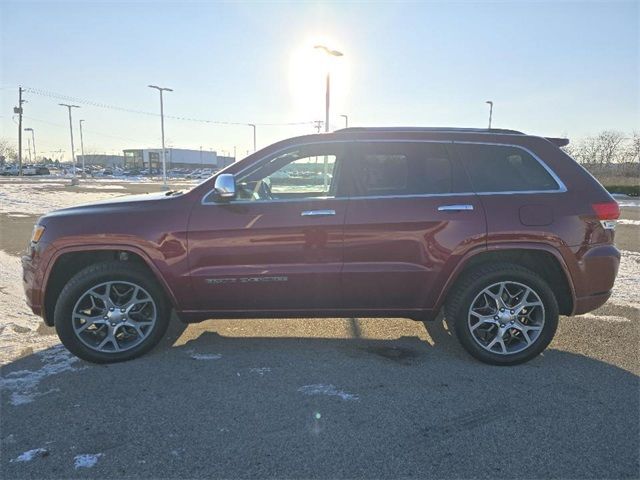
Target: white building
(144, 158)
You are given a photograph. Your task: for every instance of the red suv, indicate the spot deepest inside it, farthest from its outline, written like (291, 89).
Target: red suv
(502, 229)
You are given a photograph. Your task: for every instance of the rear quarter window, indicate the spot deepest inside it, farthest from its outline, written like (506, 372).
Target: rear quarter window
(501, 168)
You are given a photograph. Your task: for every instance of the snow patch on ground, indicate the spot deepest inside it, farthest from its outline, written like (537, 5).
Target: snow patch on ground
(19, 334)
(625, 290)
(39, 198)
(329, 390)
(605, 318)
(625, 221)
(23, 384)
(205, 356)
(93, 186)
(86, 460)
(31, 454)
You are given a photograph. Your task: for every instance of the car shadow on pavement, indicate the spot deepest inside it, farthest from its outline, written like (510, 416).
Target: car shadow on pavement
(256, 407)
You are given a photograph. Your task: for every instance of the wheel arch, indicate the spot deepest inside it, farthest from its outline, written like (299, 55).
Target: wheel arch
(67, 262)
(543, 260)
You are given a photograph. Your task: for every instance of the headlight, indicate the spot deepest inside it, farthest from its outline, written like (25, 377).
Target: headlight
(38, 231)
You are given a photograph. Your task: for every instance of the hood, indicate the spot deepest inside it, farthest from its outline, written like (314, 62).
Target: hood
(125, 202)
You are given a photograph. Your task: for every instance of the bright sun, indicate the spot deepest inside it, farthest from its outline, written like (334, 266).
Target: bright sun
(308, 68)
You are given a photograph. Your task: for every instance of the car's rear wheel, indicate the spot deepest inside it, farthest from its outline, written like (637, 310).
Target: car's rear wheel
(503, 314)
(111, 312)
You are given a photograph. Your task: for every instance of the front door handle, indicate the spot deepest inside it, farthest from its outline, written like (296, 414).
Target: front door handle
(454, 208)
(317, 213)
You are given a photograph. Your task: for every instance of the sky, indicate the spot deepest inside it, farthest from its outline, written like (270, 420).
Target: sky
(551, 68)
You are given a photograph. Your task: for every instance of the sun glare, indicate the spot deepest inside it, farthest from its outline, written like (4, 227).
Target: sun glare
(308, 68)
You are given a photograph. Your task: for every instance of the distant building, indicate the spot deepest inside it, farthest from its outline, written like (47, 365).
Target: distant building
(144, 158)
(102, 160)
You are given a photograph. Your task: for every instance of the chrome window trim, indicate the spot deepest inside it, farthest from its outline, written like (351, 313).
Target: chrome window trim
(561, 186)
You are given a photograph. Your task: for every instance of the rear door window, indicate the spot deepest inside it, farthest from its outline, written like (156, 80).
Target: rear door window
(502, 168)
(398, 169)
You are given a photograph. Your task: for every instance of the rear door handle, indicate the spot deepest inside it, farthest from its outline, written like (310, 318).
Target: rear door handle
(454, 208)
(317, 213)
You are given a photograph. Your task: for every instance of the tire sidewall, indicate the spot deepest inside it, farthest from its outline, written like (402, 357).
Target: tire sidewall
(546, 335)
(95, 275)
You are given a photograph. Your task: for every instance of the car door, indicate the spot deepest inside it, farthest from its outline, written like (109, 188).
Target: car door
(278, 245)
(412, 215)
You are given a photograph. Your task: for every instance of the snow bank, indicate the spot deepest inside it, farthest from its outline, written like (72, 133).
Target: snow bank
(19, 328)
(625, 290)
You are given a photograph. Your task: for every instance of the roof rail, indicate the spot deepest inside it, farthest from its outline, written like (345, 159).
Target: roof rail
(428, 129)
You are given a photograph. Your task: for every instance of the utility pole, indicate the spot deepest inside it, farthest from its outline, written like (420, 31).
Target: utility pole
(84, 171)
(252, 125)
(164, 161)
(74, 180)
(18, 110)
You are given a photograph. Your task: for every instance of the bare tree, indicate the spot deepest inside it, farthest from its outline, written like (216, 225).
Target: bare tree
(610, 147)
(8, 151)
(633, 150)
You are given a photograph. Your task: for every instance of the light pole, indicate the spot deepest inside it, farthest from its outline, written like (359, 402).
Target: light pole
(33, 142)
(84, 172)
(74, 180)
(327, 100)
(490, 111)
(346, 120)
(29, 149)
(253, 125)
(164, 163)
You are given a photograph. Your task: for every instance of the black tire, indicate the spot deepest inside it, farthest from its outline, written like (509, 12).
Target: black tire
(473, 283)
(106, 272)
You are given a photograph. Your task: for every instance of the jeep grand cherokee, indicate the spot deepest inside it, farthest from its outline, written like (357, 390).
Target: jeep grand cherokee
(501, 229)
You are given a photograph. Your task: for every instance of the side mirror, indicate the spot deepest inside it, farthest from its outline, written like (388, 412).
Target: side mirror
(225, 186)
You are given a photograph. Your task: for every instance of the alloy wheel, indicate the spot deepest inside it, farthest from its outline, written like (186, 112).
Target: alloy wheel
(114, 316)
(506, 318)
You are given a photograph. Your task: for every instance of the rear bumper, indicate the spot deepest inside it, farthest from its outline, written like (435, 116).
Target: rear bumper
(594, 276)
(587, 304)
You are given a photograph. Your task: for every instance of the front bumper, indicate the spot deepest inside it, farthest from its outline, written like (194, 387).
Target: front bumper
(33, 269)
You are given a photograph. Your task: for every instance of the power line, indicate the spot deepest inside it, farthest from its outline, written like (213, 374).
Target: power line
(90, 131)
(58, 96)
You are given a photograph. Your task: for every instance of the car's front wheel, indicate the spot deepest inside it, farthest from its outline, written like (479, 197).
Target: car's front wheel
(503, 314)
(111, 312)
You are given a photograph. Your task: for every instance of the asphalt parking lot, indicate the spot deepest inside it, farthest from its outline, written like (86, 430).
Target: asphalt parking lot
(331, 398)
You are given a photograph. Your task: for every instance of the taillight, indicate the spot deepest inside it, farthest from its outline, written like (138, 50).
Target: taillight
(607, 213)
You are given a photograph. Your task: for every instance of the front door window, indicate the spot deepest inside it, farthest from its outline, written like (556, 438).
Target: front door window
(302, 173)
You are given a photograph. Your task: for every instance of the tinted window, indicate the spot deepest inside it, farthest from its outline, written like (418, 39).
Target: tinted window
(399, 169)
(495, 168)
